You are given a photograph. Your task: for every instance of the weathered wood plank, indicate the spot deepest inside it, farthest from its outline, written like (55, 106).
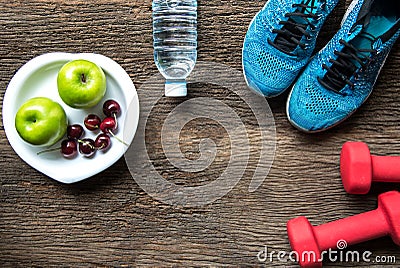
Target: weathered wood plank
(108, 220)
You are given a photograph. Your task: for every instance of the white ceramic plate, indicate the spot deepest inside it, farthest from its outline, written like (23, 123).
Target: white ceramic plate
(38, 77)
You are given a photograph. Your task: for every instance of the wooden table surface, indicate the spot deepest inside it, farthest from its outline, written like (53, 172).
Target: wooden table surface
(108, 220)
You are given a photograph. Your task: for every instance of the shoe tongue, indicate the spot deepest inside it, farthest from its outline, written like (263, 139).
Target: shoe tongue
(311, 9)
(365, 10)
(361, 39)
(365, 20)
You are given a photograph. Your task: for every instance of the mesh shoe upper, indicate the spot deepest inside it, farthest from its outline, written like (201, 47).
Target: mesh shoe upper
(314, 107)
(268, 69)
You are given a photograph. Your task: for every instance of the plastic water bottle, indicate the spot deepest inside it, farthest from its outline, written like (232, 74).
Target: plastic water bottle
(175, 42)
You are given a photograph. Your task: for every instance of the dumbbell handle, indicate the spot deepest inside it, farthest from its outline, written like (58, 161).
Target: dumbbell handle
(355, 229)
(385, 168)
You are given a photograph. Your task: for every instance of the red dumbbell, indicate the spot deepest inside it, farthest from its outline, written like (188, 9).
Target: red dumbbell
(305, 238)
(359, 168)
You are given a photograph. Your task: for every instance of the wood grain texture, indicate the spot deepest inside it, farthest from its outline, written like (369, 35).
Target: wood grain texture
(108, 220)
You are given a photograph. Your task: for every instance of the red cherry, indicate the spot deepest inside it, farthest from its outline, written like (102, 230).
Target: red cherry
(69, 148)
(111, 108)
(102, 142)
(75, 131)
(109, 124)
(92, 122)
(86, 147)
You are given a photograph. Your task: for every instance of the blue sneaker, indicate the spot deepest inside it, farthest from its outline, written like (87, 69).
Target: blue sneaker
(280, 41)
(342, 75)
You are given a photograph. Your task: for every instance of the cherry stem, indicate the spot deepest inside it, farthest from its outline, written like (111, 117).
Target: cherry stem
(115, 118)
(87, 143)
(48, 150)
(101, 147)
(93, 126)
(118, 139)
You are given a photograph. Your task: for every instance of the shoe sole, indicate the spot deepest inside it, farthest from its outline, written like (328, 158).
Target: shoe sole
(339, 122)
(348, 11)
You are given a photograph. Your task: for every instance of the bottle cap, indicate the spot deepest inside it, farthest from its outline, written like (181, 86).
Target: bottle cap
(175, 88)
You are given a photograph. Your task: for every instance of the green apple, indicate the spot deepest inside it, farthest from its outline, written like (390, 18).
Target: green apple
(41, 121)
(81, 84)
